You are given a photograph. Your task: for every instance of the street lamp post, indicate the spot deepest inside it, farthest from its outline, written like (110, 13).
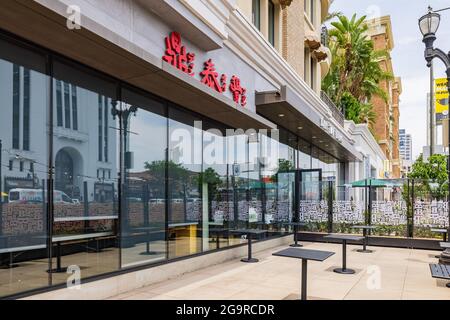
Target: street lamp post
(1, 189)
(123, 113)
(429, 25)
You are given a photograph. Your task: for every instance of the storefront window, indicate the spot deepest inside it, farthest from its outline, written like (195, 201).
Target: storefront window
(23, 170)
(215, 187)
(184, 177)
(86, 213)
(144, 195)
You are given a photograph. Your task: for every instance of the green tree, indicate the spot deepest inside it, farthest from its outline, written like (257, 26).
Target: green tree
(178, 175)
(355, 72)
(431, 176)
(283, 166)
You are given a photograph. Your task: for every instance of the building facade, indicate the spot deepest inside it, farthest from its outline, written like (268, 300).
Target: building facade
(146, 128)
(386, 126)
(405, 145)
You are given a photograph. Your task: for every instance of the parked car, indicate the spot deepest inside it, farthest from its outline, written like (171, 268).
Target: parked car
(35, 196)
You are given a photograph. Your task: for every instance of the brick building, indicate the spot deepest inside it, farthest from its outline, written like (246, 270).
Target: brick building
(386, 127)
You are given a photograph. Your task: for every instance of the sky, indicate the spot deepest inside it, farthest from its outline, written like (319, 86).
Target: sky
(408, 54)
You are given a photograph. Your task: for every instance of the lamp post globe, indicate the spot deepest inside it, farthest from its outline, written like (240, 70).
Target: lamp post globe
(429, 23)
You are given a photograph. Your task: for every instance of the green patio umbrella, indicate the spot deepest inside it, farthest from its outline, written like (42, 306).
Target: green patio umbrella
(374, 183)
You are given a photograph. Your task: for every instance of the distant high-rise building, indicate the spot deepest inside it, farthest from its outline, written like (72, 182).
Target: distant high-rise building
(405, 145)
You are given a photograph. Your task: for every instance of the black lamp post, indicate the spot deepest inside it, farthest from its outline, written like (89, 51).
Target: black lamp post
(1, 189)
(123, 112)
(429, 25)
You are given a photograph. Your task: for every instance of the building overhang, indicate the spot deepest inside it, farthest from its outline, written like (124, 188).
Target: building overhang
(179, 17)
(103, 50)
(300, 118)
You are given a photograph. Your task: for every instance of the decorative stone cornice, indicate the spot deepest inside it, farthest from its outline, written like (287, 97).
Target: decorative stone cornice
(285, 3)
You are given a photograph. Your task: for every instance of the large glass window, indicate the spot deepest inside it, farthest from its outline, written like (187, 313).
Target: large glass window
(144, 190)
(85, 204)
(215, 188)
(184, 177)
(23, 176)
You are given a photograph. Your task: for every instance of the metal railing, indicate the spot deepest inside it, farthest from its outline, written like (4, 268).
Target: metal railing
(324, 36)
(337, 112)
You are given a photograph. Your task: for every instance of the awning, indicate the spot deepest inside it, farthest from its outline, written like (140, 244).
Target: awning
(374, 183)
(289, 110)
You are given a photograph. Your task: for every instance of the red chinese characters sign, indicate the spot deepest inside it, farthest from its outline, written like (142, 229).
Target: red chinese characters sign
(176, 55)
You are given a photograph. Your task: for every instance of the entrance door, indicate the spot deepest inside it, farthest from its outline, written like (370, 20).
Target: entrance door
(310, 184)
(292, 188)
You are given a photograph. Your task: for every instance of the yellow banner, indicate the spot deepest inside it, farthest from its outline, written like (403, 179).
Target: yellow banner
(441, 94)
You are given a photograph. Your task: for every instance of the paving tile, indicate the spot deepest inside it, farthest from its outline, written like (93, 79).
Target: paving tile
(403, 274)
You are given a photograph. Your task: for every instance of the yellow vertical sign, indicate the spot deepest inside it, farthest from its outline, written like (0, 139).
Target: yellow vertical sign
(442, 97)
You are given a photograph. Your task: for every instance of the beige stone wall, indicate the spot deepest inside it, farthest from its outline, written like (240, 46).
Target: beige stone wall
(290, 24)
(293, 47)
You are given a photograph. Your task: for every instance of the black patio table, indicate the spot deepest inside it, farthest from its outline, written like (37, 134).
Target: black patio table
(249, 233)
(296, 225)
(442, 231)
(218, 232)
(364, 228)
(148, 230)
(344, 238)
(304, 255)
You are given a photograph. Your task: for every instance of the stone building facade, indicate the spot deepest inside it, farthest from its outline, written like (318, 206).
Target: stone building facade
(386, 126)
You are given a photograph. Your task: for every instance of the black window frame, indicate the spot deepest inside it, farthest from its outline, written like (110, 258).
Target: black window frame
(256, 13)
(16, 107)
(271, 31)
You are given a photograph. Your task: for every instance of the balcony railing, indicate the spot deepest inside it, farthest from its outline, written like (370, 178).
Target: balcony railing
(337, 112)
(324, 36)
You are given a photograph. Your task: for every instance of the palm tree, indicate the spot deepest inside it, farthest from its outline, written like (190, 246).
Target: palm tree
(355, 68)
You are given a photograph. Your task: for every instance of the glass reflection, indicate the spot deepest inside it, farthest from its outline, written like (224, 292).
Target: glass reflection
(215, 189)
(85, 140)
(185, 190)
(23, 170)
(144, 192)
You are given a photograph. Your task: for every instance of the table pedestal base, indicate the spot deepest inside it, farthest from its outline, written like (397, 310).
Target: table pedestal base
(364, 251)
(251, 260)
(9, 266)
(149, 253)
(295, 245)
(58, 270)
(344, 271)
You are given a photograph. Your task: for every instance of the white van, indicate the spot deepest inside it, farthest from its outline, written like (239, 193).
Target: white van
(35, 196)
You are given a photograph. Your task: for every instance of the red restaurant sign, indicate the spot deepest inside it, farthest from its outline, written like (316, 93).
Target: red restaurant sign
(177, 56)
